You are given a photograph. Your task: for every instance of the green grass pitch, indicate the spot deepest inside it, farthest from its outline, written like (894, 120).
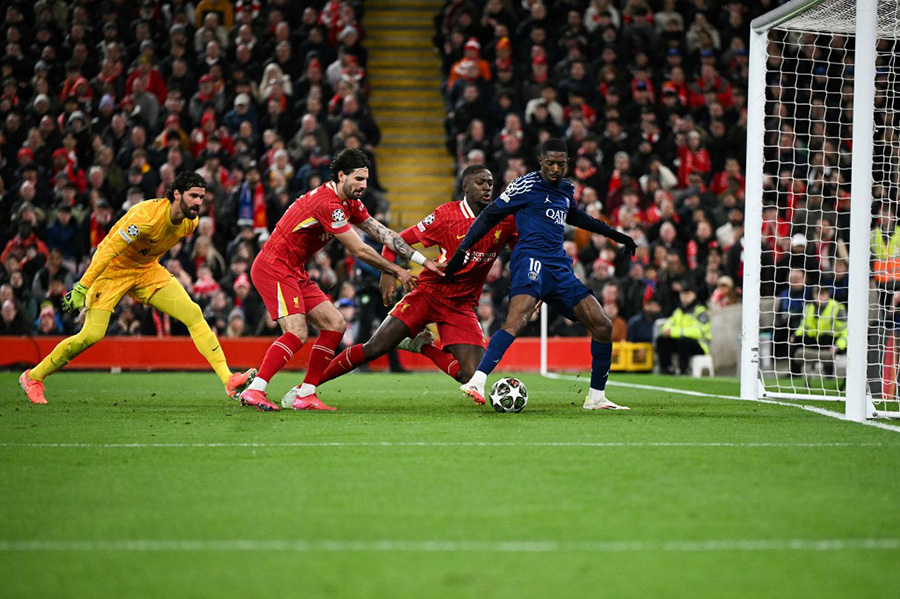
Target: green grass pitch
(156, 485)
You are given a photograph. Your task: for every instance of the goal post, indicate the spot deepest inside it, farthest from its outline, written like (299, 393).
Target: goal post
(823, 152)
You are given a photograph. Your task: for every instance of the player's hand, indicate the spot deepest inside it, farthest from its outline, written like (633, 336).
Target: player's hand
(454, 265)
(387, 285)
(408, 280)
(434, 267)
(73, 301)
(630, 247)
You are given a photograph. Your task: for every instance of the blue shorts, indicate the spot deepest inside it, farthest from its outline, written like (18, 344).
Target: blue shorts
(552, 281)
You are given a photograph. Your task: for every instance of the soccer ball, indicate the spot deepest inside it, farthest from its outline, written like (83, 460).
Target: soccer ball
(509, 395)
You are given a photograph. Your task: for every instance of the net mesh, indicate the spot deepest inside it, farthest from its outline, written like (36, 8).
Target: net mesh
(806, 199)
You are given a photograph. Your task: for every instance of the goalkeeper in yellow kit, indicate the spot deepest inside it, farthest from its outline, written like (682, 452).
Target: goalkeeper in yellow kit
(127, 261)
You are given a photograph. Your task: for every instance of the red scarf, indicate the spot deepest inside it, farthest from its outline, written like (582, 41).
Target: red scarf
(260, 222)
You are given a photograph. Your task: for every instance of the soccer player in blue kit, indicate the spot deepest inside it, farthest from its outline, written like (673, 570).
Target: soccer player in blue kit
(543, 203)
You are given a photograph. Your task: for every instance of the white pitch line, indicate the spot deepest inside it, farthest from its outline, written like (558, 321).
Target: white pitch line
(813, 409)
(549, 444)
(442, 546)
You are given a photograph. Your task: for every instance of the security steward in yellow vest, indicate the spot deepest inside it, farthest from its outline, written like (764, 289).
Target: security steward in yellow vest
(884, 240)
(685, 333)
(824, 326)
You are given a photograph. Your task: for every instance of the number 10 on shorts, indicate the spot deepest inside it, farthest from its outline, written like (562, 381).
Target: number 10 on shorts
(534, 269)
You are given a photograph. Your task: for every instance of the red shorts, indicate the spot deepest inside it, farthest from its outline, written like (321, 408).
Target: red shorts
(284, 291)
(456, 323)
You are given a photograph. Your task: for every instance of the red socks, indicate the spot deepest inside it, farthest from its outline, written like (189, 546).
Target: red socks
(442, 359)
(352, 357)
(279, 353)
(321, 355)
(344, 362)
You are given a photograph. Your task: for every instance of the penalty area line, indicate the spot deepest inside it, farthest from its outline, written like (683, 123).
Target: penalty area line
(813, 409)
(443, 546)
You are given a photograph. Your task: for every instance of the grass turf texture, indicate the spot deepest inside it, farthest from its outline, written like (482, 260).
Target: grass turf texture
(410, 490)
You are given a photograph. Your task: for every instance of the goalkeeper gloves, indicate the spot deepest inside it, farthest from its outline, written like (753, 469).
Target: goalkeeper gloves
(73, 302)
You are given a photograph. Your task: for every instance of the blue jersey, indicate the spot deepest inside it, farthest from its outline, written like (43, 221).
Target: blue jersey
(539, 265)
(540, 210)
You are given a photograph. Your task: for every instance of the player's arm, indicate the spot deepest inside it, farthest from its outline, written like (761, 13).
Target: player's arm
(578, 218)
(364, 252)
(388, 282)
(113, 245)
(487, 220)
(391, 239)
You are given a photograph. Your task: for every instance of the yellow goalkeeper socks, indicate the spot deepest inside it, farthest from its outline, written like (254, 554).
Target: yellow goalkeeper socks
(95, 323)
(174, 301)
(208, 345)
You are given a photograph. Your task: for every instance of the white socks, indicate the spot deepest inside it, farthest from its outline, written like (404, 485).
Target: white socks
(479, 378)
(258, 384)
(596, 395)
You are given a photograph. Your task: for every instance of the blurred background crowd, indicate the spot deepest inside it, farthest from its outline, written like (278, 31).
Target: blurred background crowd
(105, 101)
(651, 99)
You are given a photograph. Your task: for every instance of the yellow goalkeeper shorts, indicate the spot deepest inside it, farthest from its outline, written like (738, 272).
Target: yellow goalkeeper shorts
(140, 284)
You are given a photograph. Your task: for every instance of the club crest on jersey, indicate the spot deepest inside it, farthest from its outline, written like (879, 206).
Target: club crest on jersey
(338, 218)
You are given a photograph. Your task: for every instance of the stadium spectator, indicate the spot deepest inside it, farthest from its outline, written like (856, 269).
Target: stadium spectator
(48, 322)
(685, 333)
(641, 325)
(823, 328)
(12, 322)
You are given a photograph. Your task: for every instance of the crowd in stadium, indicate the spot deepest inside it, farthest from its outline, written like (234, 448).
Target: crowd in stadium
(104, 103)
(650, 98)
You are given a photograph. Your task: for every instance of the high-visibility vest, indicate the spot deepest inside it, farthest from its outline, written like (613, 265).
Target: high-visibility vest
(885, 255)
(694, 324)
(832, 320)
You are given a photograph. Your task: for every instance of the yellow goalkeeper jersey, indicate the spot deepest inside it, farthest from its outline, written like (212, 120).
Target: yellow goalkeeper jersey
(139, 239)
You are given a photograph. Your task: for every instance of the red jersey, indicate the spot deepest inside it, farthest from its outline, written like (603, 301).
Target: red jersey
(446, 227)
(311, 221)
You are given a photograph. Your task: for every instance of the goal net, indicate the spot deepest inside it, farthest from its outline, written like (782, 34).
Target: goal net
(823, 163)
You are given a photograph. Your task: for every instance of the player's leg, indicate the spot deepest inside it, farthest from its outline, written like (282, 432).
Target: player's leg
(32, 380)
(406, 318)
(331, 325)
(173, 300)
(463, 343)
(283, 298)
(589, 312)
(466, 359)
(100, 301)
(521, 307)
(391, 332)
(294, 335)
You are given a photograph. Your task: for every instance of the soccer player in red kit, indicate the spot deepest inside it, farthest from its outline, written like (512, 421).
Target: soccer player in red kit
(292, 299)
(449, 305)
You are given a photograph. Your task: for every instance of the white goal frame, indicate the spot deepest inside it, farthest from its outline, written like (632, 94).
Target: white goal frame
(857, 399)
